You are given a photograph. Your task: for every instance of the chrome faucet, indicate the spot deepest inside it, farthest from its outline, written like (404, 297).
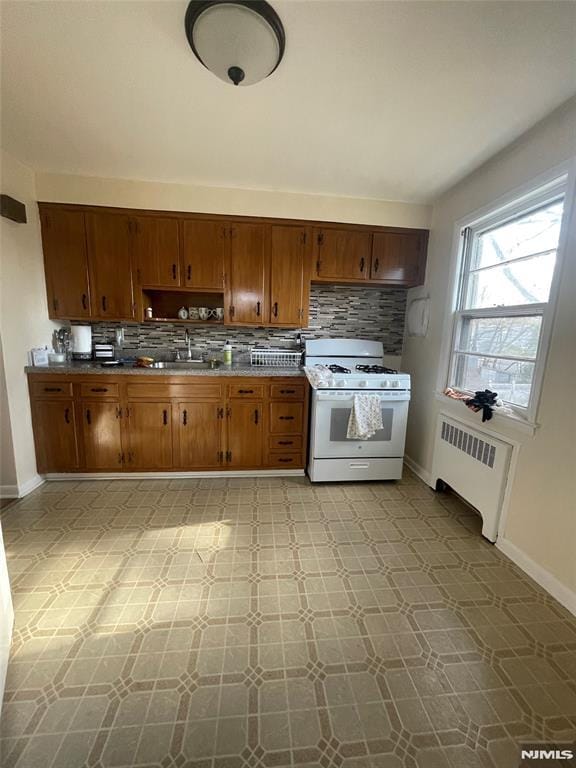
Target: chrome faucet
(188, 340)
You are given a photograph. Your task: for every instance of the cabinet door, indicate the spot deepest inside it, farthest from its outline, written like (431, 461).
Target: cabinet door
(102, 435)
(289, 277)
(109, 251)
(342, 254)
(246, 274)
(156, 251)
(149, 428)
(399, 258)
(203, 249)
(245, 434)
(65, 264)
(55, 435)
(199, 435)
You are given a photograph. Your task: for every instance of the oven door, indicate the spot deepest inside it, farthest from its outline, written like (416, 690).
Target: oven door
(330, 415)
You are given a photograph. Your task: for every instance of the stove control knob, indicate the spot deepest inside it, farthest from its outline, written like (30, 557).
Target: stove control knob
(395, 383)
(384, 384)
(362, 383)
(341, 383)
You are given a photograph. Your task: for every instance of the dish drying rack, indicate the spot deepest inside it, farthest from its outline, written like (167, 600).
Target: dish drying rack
(279, 358)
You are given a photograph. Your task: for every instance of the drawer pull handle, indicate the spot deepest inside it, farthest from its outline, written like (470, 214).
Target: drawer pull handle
(52, 389)
(173, 271)
(376, 265)
(184, 417)
(67, 415)
(165, 417)
(287, 391)
(275, 310)
(286, 418)
(285, 461)
(99, 389)
(189, 272)
(88, 416)
(84, 301)
(258, 306)
(245, 391)
(256, 416)
(104, 304)
(362, 263)
(285, 442)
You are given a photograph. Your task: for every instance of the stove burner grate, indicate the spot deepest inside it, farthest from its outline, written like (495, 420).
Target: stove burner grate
(375, 369)
(338, 369)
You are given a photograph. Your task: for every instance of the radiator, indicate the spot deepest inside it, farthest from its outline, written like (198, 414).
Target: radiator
(475, 465)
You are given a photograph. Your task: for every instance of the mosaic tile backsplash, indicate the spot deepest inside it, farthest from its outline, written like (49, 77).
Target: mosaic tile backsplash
(335, 312)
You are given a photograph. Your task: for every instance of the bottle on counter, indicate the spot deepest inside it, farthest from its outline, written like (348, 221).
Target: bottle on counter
(227, 353)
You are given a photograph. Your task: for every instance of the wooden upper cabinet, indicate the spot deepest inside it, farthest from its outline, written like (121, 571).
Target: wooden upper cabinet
(109, 250)
(203, 251)
(399, 258)
(65, 263)
(341, 254)
(246, 274)
(156, 251)
(289, 277)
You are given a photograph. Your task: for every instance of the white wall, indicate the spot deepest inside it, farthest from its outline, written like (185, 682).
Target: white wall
(541, 521)
(24, 319)
(240, 202)
(8, 480)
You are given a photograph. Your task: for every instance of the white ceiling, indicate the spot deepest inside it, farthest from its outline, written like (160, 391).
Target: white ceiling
(388, 100)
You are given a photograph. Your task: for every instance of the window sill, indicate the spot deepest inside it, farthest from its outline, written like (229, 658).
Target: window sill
(503, 416)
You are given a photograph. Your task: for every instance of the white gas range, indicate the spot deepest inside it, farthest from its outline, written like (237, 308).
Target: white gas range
(338, 369)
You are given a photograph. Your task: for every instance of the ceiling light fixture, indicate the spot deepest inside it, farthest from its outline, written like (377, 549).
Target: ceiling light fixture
(240, 41)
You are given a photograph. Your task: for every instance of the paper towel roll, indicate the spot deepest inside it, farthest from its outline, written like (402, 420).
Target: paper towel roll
(82, 340)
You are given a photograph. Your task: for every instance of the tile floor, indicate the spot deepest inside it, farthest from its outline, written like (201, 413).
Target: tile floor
(269, 622)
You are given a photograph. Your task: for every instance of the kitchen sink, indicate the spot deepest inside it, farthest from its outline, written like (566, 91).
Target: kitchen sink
(189, 365)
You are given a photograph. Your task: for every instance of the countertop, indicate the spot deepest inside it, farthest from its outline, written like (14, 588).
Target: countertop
(236, 369)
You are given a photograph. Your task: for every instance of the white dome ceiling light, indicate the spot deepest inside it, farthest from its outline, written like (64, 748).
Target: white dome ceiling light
(241, 42)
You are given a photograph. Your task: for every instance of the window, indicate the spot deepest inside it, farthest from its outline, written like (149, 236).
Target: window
(507, 267)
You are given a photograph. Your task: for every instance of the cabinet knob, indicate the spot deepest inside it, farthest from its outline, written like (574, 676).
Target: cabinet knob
(376, 265)
(84, 301)
(184, 417)
(67, 415)
(362, 263)
(173, 271)
(104, 303)
(256, 416)
(258, 306)
(189, 272)
(165, 417)
(275, 309)
(88, 416)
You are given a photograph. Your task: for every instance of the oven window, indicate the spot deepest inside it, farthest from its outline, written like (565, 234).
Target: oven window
(339, 418)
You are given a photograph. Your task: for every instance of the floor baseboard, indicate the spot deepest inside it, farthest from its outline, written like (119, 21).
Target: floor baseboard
(173, 475)
(19, 491)
(417, 469)
(541, 576)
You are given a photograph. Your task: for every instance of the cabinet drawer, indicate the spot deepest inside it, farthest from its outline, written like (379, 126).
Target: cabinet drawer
(286, 417)
(287, 392)
(179, 391)
(287, 460)
(285, 442)
(98, 391)
(51, 389)
(246, 391)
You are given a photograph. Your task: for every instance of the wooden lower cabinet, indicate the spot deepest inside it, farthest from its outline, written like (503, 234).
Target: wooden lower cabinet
(101, 435)
(199, 435)
(97, 423)
(55, 435)
(245, 434)
(149, 435)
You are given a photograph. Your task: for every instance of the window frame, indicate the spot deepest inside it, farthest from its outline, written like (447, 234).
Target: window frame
(514, 206)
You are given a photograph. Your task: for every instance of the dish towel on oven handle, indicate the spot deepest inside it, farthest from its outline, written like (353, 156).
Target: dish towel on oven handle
(365, 417)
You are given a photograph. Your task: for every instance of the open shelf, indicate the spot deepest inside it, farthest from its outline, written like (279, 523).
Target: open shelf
(212, 321)
(166, 303)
